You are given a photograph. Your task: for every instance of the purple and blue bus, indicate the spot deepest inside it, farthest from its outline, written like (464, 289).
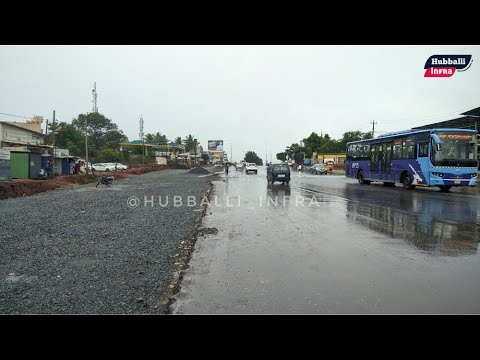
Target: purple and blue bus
(432, 157)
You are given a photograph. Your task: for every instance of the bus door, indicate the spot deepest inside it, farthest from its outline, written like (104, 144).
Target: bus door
(374, 152)
(386, 161)
(423, 159)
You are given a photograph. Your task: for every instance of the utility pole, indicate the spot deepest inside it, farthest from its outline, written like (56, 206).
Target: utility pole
(373, 128)
(143, 141)
(54, 145)
(94, 110)
(266, 155)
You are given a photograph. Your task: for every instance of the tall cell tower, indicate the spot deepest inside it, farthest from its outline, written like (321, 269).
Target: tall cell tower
(141, 128)
(94, 95)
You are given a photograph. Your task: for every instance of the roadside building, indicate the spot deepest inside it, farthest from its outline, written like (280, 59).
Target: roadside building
(25, 143)
(336, 159)
(216, 156)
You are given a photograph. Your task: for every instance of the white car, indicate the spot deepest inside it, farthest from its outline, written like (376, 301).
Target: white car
(118, 166)
(251, 167)
(103, 167)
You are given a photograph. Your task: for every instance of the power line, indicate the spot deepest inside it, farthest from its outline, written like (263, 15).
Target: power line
(25, 117)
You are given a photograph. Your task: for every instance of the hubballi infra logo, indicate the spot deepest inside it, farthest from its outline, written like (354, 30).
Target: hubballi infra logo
(446, 65)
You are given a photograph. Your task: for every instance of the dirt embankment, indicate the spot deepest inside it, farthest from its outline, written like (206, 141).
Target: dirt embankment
(25, 187)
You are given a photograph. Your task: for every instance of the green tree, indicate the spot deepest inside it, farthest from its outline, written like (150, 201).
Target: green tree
(66, 137)
(160, 138)
(329, 145)
(298, 157)
(367, 135)
(205, 158)
(149, 137)
(252, 157)
(178, 140)
(296, 152)
(110, 155)
(190, 143)
(156, 138)
(282, 156)
(113, 137)
(292, 150)
(97, 126)
(351, 136)
(313, 143)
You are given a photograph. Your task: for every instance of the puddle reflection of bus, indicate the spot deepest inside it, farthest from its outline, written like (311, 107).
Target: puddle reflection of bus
(435, 225)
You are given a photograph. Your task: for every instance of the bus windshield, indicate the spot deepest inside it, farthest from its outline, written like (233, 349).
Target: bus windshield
(457, 149)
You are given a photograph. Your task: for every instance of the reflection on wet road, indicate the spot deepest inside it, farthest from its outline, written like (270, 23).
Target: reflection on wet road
(325, 244)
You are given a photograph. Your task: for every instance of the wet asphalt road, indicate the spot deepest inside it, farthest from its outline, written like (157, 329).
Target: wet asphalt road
(355, 249)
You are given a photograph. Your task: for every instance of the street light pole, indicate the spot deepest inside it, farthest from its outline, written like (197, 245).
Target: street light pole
(266, 155)
(54, 145)
(86, 144)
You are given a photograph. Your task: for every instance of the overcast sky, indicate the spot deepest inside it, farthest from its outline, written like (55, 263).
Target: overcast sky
(249, 96)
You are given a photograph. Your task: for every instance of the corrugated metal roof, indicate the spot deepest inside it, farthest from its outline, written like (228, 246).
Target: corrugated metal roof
(473, 112)
(465, 122)
(471, 120)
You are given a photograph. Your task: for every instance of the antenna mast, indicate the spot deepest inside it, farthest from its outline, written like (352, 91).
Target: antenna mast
(94, 95)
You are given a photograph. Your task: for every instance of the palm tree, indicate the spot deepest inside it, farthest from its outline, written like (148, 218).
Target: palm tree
(178, 140)
(190, 143)
(149, 138)
(162, 139)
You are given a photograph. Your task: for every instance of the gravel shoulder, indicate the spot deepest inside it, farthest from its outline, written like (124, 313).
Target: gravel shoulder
(86, 251)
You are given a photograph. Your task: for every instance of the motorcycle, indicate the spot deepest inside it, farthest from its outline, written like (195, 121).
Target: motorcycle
(43, 174)
(105, 180)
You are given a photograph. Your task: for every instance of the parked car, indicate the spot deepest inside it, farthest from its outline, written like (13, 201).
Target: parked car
(117, 166)
(251, 167)
(318, 169)
(239, 167)
(103, 167)
(121, 166)
(278, 172)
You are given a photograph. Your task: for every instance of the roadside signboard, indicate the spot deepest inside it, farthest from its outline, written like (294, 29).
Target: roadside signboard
(215, 145)
(4, 154)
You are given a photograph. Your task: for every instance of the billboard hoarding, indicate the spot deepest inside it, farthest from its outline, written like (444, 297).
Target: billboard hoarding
(214, 145)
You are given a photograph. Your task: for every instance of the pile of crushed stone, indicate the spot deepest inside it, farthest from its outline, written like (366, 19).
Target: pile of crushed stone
(199, 170)
(180, 166)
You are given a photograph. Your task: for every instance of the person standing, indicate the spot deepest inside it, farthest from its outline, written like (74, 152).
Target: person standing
(226, 169)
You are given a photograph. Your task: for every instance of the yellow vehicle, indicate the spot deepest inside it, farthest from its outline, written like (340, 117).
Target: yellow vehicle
(328, 164)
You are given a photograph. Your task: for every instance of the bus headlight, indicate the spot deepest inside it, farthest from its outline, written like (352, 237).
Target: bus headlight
(437, 174)
(473, 175)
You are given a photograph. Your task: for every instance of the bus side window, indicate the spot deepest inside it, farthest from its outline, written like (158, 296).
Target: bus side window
(423, 150)
(408, 148)
(397, 149)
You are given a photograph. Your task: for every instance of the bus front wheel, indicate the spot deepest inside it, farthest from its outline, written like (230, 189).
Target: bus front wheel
(361, 179)
(407, 182)
(444, 188)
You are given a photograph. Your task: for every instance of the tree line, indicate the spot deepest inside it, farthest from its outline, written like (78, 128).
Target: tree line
(320, 144)
(103, 138)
